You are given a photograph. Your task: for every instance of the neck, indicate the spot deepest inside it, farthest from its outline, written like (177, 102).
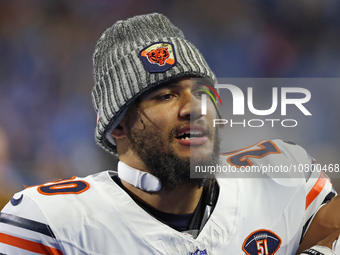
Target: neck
(180, 200)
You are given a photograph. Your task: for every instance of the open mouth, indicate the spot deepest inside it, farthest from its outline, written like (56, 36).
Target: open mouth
(192, 135)
(187, 135)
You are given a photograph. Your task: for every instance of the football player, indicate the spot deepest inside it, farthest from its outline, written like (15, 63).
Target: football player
(147, 94)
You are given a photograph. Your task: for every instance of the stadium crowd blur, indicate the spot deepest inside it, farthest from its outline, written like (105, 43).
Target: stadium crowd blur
(47, 121)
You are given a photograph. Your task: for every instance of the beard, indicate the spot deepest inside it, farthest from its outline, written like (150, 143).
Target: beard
(161, 161)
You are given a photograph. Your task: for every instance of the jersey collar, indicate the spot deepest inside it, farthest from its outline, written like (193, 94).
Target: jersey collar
(140, 179)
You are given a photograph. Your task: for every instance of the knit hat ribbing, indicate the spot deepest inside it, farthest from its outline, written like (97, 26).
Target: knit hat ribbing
(132, 57)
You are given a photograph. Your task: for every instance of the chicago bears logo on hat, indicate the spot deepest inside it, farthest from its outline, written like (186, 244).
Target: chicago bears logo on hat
(158, 57)
(261, 242)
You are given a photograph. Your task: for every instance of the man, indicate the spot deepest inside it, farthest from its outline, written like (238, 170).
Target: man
(148, 86)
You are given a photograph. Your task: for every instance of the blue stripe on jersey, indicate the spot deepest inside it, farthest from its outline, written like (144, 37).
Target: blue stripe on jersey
(26, 224)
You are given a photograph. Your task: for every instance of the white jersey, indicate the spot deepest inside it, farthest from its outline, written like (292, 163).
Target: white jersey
(93, 215)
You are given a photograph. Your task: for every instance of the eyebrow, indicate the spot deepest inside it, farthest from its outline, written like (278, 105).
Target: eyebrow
(176, 84)
(170, 85)
(164, 86)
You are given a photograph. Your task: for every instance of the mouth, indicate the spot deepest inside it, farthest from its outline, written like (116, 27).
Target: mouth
(192, 135)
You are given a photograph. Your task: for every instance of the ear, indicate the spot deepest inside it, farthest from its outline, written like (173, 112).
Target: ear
(118, 132)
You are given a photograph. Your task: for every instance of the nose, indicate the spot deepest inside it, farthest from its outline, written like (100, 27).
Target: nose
(190, 107)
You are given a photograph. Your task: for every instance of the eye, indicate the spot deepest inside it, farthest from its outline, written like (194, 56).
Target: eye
(166, 96)
(198, 93)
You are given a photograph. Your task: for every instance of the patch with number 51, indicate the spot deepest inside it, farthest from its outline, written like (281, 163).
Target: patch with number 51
(261, 242)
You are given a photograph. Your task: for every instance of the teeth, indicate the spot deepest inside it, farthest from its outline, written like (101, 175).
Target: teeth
(186, 138)
(193, 132)
(187, 135)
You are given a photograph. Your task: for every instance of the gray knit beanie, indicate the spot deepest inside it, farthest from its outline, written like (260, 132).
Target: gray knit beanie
(132, 57)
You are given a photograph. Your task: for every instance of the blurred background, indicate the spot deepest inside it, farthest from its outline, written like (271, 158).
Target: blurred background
(47, 121)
